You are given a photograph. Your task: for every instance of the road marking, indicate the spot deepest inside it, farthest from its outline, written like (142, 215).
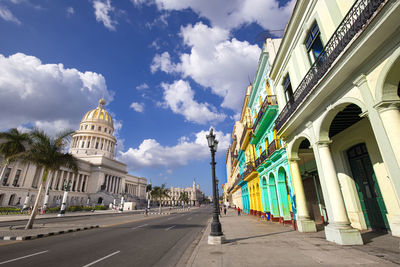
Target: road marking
(140, 226)
(23, 257)
(96, 261)
(170, 218)
(169, 228)
(189, 218)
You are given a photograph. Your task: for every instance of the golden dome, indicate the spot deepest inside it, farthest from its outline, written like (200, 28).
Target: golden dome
(98, 114)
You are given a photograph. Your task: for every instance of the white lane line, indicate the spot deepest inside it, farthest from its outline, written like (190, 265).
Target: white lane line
(169, 228)
(96, 261)
(140, 226)
(189, 218)
(170, 218)
(23, 257)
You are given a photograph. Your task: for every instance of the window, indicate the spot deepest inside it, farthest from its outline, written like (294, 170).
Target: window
(83, 144)
(287, 87)
(105, 130)
(6, 176)
(99, 128)
(16, 178)
(92, 127)
(85, 126)
(88, 144)
(313, 43)
(97, 145)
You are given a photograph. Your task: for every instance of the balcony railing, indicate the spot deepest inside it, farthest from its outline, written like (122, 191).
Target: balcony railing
(351, 25)
(268, 101)
(249, 169)
(272, 147)
(248, 126)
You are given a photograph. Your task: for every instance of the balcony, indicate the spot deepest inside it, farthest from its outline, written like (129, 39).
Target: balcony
(250, 167)
(354, 21)
(272, 147)
(246, 133)
(268, 101)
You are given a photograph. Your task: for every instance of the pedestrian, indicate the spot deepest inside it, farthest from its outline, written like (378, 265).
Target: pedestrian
(224, 210)
(238, 211)
(146, 211)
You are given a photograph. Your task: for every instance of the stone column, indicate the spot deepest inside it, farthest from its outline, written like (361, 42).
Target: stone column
(390, 115)
(304, 224)
(338, 229)
(87, 182)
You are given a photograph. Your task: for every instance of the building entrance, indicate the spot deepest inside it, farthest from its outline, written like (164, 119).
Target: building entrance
(371, 200)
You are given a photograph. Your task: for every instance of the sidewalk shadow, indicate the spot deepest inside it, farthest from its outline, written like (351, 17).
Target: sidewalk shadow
(256, 236)
(368, 237)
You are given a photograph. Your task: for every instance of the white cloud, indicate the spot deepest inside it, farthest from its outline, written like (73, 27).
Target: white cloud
(215, 61)
(142, 86)
(70, 11)
(138, 107)
(231, 14)
(162, 62)
(151, 153)
(7, 15)
(102, 11)
(179, 97)
(46, 95)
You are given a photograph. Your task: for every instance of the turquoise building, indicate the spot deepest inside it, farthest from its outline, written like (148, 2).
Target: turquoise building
(271, 164)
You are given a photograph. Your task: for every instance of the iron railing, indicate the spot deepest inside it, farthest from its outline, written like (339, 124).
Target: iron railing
(268, 101)
(249, 169)
(351, 25)
(272, 147)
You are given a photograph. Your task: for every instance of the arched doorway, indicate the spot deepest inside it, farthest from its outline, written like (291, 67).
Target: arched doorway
(1, 199)
(368, 190)
(273, 198)
(11, 200)
(265, 195)
(311, 183)
(100, 201)
(283, 192)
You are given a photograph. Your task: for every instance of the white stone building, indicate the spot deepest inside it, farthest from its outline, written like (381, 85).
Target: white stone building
(100, 178)
(195, 195)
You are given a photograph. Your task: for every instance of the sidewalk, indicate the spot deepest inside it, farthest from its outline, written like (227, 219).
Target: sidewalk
(250, 242)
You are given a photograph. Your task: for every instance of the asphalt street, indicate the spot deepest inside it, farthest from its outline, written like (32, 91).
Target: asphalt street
(152, 241)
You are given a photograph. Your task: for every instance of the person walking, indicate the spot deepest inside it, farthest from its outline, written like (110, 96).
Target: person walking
(146, 211)
(238, 210)
(224, 210)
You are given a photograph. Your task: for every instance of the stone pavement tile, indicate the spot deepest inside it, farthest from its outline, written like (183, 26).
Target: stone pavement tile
(254, 243)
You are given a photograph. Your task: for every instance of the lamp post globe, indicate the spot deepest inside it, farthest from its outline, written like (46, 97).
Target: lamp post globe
(216, 235)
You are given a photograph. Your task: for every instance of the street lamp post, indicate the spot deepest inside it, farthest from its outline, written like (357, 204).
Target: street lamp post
(216, 236)
(217, 189)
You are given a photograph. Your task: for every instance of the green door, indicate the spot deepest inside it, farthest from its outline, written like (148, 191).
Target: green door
(368, 190)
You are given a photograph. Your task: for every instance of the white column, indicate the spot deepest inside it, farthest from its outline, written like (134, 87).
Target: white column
(338, 229)
(87, 182)
(390, 115)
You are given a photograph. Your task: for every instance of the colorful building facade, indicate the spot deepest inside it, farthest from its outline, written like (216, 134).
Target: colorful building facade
(276, 190)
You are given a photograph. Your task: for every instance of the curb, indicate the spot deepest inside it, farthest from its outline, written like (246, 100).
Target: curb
(30, 237)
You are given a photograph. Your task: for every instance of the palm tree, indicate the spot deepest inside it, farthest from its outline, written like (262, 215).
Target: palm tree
(184, 197)
(14, 144)
(49, 153)
(158, 193)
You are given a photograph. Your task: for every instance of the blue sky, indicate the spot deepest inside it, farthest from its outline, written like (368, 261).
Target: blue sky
(169, 69)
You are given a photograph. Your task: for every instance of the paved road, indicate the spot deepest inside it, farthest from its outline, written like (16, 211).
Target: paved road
(154, 241)
(92, 218)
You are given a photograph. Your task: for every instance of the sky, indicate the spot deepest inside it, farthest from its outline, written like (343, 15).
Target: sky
(168, 69)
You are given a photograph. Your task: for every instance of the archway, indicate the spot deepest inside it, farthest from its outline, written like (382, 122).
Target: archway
(1, 199)
(258, 199)
(11, 200)
(100, 201)
(283, 193)
(273, 198)
(265, 198)
(314, 199)
(352, 138)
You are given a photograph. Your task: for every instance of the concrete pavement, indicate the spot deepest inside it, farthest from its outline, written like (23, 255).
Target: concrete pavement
(252, 242)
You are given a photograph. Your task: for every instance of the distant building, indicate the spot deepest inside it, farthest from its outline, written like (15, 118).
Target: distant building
(196, 196)
(100, 178)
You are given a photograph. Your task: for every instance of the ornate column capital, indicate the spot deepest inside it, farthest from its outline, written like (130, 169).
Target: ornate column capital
(360, 80)
(323, 143)
(293, 159)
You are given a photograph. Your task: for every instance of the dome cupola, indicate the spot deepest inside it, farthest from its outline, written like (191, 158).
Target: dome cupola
(95, 134)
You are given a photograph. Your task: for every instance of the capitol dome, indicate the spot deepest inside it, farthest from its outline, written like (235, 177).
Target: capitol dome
(95, 134)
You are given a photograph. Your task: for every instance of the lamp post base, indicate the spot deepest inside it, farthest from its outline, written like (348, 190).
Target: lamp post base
(216, 240)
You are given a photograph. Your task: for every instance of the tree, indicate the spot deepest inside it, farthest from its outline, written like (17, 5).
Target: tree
(14, 143)
(158, 193)
(48, 152)
(184, 197)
